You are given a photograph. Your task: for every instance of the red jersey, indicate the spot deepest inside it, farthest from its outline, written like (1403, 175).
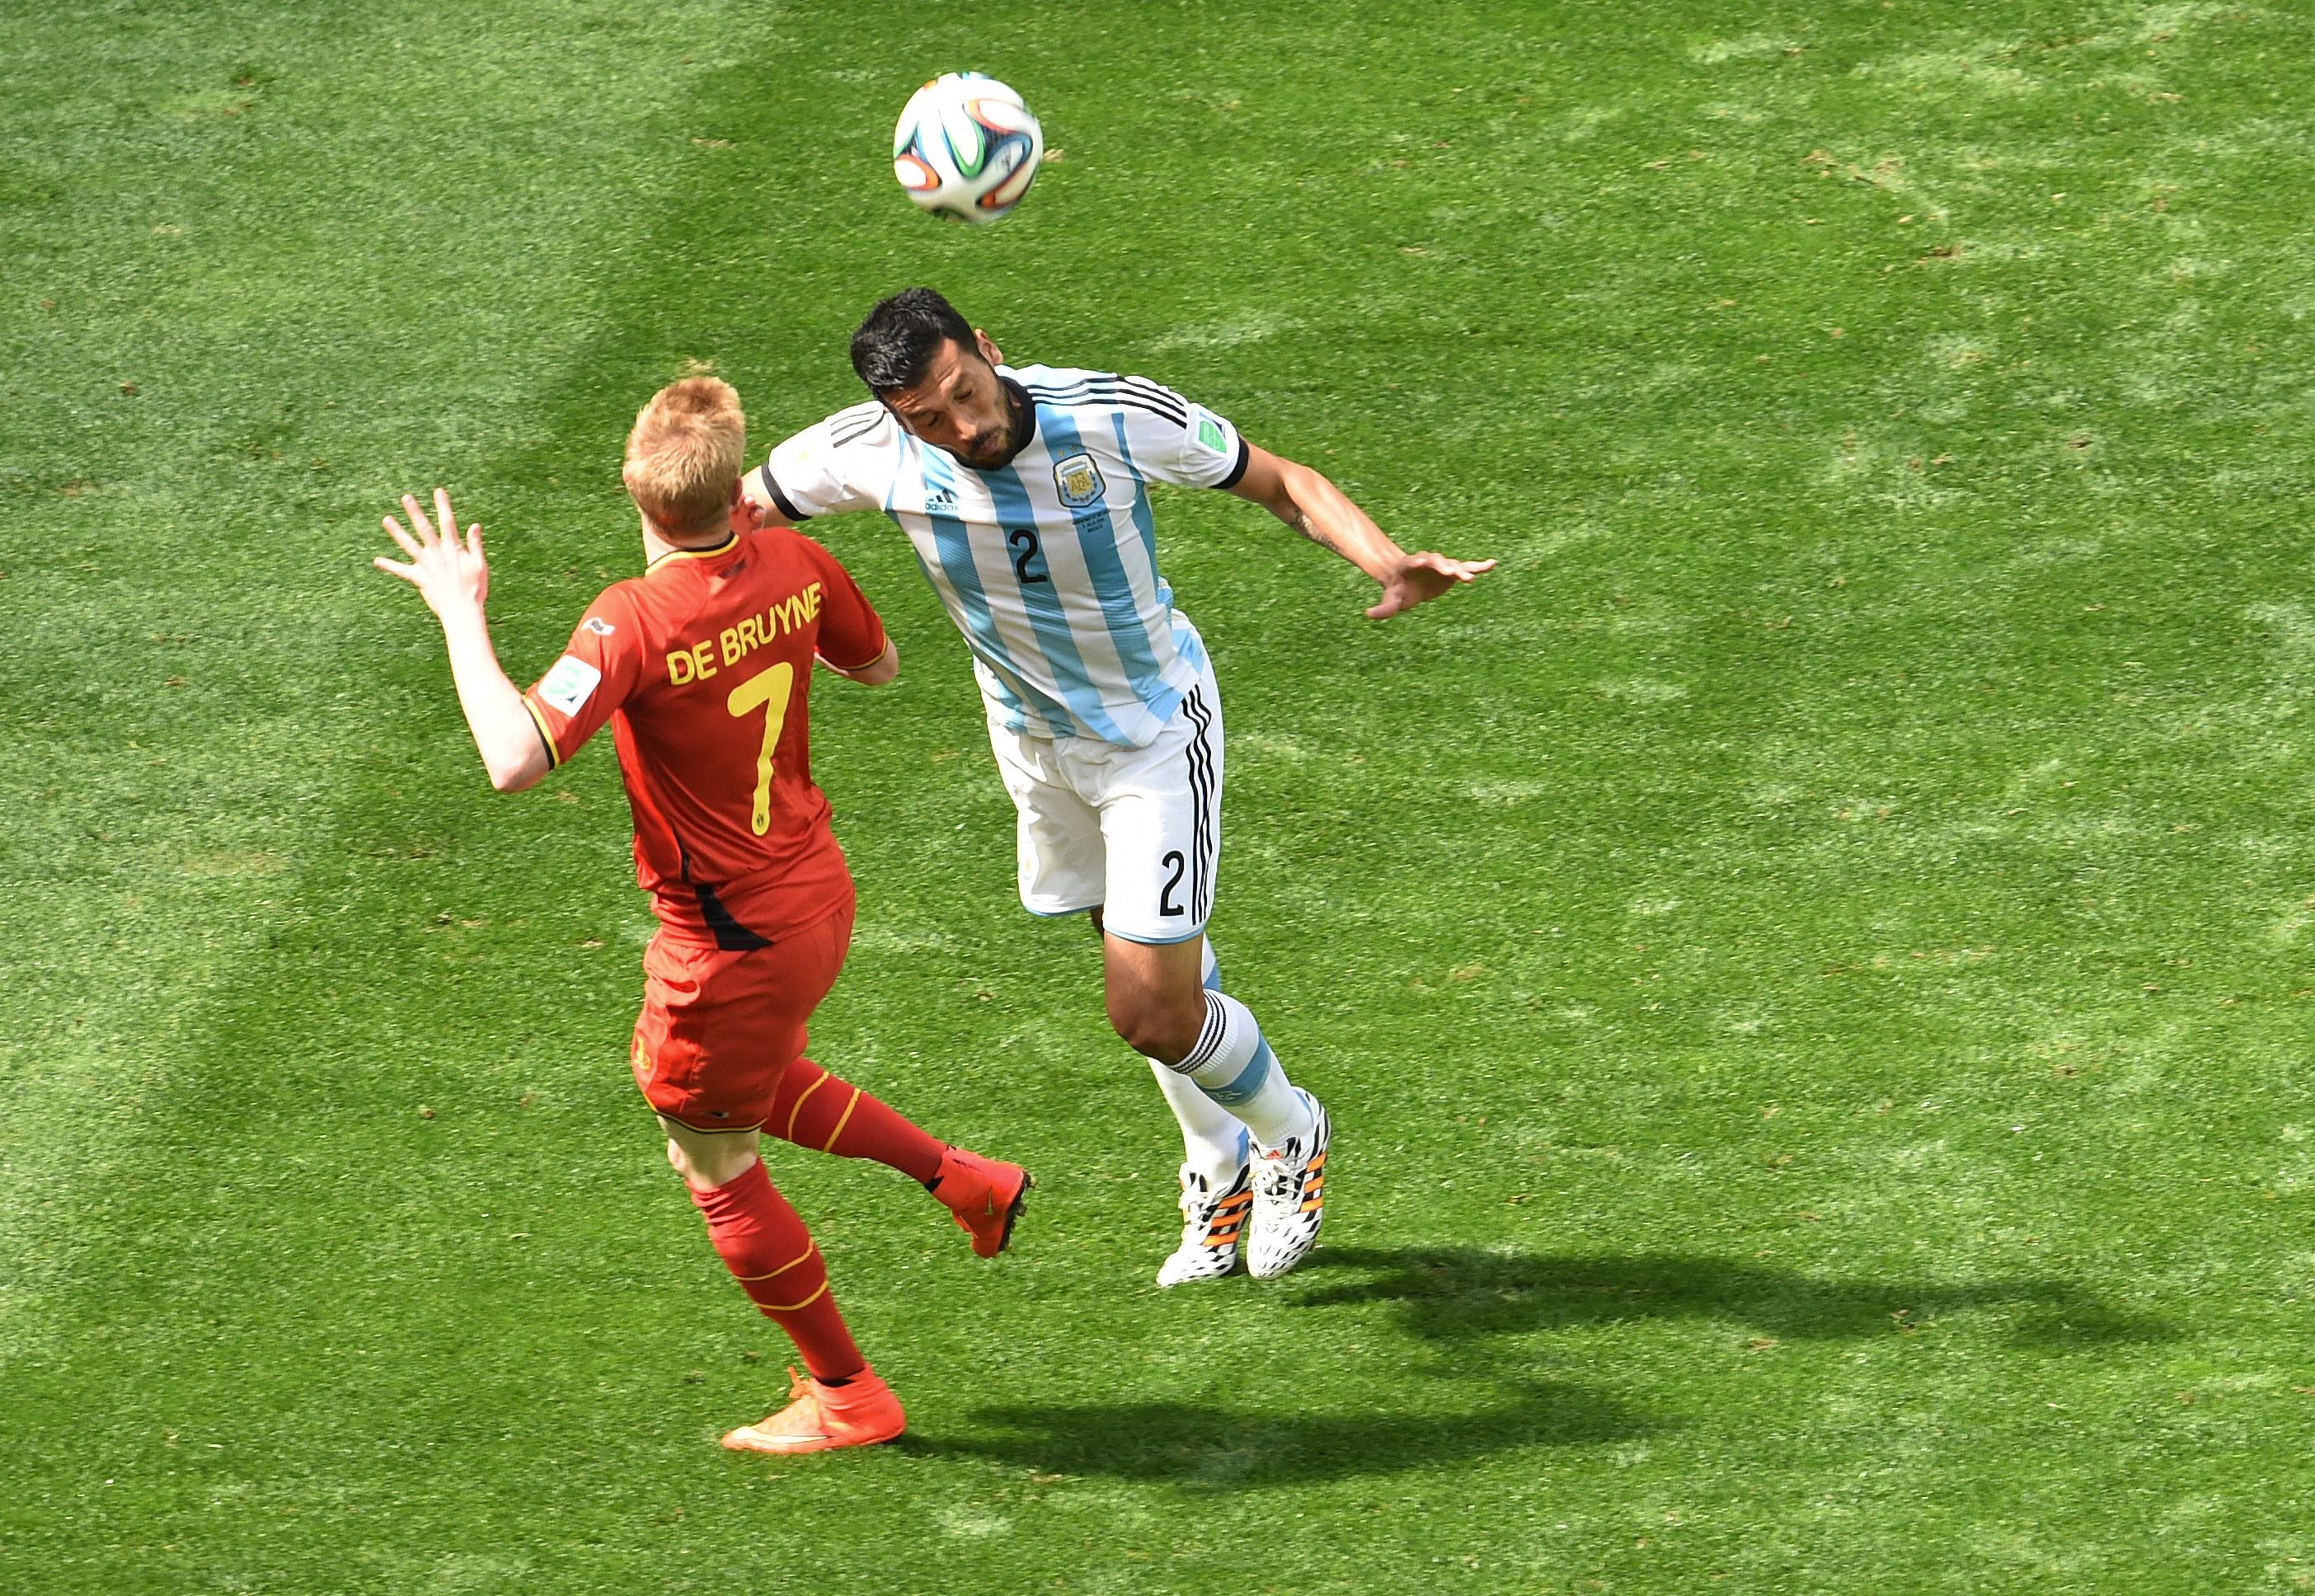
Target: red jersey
(703, 666)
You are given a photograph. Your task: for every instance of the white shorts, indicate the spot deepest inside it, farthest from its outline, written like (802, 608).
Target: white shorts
(1135, 832)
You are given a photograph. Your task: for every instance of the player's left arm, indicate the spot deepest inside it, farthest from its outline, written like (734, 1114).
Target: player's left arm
(1322, 512)
(454, 579)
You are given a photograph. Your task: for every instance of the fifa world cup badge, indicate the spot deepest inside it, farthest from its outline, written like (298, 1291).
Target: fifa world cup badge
(1078, 481)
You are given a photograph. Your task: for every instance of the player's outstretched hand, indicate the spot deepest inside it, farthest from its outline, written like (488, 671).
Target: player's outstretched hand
(1421, 576)
(449, 574)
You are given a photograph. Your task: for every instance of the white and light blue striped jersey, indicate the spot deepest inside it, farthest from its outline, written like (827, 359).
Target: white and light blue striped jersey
(1048, 564)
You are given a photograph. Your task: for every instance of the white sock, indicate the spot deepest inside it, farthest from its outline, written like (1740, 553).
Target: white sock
(1234, 1066)
(1214, 1140)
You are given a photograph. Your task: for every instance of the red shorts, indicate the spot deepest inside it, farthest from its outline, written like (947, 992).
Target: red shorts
(720, 1027)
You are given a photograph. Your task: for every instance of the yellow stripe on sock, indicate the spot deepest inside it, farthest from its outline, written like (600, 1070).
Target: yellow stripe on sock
(843, 1120)
(789, 1307)
(804, 1256)
(798, 1109)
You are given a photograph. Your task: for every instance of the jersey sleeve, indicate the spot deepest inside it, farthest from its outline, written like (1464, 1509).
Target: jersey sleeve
(851, 632)
(599, 670)
(1176, 441)
(823, 470)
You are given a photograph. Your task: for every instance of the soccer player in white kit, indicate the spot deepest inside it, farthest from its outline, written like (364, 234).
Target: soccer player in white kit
(1022, 490)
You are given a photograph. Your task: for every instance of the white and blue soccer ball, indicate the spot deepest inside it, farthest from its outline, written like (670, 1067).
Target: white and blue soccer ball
(967, 148)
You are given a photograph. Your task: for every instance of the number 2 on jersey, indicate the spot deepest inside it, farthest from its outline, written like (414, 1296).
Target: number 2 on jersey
(766, 690)
(1022, 542)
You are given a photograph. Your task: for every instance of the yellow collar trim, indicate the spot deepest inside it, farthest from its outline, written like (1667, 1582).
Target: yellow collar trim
(724, 547)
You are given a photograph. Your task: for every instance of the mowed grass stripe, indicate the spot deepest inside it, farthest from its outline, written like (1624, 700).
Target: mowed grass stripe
(311, 316)
(217, 264)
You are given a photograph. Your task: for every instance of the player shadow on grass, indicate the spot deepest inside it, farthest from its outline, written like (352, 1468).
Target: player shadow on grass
(1448, 1293)
(1203, 1447)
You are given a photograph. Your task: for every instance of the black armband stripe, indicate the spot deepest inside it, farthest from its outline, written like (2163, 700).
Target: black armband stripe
(763, 475)
(1244, 458)
(546, 738)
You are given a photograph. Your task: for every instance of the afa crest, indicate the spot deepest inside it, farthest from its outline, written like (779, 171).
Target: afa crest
(1078, 482)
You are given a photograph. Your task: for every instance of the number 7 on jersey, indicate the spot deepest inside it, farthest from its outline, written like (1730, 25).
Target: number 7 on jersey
(766, 690)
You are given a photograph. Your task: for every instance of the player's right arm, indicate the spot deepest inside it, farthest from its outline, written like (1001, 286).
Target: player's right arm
(754, 490)
(455, 580)
(878, 671)
(821, 471)
(803, 465)
(850, 629)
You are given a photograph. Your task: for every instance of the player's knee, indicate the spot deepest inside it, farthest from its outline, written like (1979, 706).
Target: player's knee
(688, 1167)
(705, 1169)
(1163, 1028)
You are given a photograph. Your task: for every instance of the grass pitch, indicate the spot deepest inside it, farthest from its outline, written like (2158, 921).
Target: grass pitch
(1809, 961)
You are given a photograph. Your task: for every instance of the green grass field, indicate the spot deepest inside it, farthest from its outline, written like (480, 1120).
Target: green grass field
(1810, 961)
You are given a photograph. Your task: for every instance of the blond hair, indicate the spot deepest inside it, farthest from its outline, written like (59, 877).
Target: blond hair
(686, 451)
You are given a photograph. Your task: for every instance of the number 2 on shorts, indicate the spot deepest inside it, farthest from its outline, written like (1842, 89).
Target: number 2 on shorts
(766, 690)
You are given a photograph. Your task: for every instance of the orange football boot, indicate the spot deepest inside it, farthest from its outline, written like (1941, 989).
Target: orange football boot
(984, 1195)
(861, 1412)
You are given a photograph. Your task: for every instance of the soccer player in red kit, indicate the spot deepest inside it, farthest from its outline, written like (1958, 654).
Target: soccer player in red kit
(702, 667)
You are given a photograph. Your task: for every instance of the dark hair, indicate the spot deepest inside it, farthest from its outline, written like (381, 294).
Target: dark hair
(895, 346)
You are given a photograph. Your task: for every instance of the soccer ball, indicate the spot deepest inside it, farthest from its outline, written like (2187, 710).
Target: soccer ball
(966, 147)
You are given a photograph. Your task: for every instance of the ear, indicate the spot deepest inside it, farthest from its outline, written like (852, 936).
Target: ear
(987, 348)
(747, 515)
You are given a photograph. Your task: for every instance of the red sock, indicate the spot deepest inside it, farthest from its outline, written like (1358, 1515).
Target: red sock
(830, 1114)
(762, 1240)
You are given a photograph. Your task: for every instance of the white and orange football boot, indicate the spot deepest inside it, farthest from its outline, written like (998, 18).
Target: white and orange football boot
(1213, 1224)
(1290, 1198)
(861, 1412)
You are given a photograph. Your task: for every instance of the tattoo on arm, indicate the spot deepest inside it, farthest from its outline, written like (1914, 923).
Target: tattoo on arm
(1296, 518)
